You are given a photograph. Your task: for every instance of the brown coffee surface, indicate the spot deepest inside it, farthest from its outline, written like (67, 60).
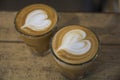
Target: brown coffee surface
(21, 17)
(71, 58)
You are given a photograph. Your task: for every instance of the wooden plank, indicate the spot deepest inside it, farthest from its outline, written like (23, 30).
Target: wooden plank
(7, 30)
(107, 65)
(106, 26)
(17, 63)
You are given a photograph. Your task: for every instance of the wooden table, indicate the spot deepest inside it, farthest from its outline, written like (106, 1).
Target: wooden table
(17, 62)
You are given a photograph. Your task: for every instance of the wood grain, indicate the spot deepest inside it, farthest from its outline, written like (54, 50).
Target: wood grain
(18, 63)
(106, 26)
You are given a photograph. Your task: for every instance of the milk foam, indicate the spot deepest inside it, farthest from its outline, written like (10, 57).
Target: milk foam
(37, 20)
(74, 42)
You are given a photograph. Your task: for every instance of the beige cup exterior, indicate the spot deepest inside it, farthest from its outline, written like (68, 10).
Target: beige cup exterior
(73, 72)
(38, 45)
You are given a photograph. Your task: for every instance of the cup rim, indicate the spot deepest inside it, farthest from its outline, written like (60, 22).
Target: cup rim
(29, 35)
(92, 59)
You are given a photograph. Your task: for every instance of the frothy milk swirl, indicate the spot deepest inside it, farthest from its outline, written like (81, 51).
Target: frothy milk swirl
(74, 42)
(37, 20)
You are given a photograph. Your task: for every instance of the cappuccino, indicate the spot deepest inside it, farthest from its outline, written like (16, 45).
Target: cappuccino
(74, 47)
(36, 24)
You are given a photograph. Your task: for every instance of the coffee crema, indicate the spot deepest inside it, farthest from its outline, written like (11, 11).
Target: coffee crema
(75, 44)
(36, 19)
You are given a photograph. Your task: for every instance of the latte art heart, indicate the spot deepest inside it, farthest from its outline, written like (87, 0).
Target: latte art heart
(74, 42)
(37, 20)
